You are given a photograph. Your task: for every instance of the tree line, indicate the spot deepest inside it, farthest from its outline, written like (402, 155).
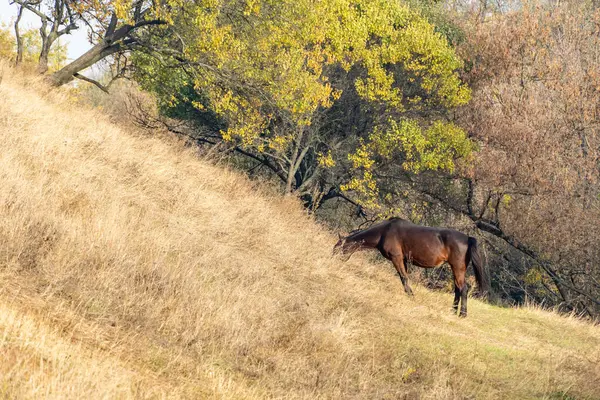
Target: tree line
(476, 115)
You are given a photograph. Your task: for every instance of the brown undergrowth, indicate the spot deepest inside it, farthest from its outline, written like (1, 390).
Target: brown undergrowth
(130, 268)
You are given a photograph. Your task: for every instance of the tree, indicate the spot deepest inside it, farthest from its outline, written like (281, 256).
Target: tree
(57, 19)
(116, 27)
(30, 49)
(534, 185)
(6, 43)
(276, 73)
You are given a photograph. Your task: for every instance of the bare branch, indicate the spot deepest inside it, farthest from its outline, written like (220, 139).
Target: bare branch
(137, 14)
(92, 81)
(28, 6)
(111, 25)
(71, 27)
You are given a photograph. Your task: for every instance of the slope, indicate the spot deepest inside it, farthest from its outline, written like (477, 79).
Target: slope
(131, 268)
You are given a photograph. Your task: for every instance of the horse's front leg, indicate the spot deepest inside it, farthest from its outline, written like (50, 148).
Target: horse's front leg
(398, 262)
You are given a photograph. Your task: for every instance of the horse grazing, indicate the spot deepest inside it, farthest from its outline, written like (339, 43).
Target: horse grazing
(401, 241)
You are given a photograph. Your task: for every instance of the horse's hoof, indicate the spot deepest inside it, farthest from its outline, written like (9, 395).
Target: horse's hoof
(462, 315)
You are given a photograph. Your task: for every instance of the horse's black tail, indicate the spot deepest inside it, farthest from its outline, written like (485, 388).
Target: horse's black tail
(478, 267)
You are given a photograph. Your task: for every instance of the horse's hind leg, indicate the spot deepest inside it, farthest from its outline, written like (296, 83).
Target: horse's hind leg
(460, 287)
(456, 298)
(398, 262)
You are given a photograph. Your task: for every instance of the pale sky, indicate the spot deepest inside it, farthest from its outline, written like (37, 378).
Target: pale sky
(77, 42)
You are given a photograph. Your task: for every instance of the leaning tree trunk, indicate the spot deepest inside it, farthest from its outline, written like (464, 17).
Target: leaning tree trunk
(89, 58)
(114, 41)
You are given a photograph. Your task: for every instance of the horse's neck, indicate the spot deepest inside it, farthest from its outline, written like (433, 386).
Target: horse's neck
(368, 238)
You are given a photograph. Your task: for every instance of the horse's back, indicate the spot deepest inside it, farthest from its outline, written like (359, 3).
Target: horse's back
(448, 236)
(454, 237)
(427, 246)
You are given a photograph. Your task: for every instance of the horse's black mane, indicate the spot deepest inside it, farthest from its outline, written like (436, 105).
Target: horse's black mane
(374, 223)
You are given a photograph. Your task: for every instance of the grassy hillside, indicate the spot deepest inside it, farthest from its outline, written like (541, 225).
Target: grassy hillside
(129, 268)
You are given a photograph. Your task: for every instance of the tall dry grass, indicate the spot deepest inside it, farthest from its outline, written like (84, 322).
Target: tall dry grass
(130, 268)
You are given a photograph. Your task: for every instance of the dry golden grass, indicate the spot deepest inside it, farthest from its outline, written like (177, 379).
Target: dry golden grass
(130, 268)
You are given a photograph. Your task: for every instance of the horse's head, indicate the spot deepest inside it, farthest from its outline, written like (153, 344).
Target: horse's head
(345, 247)
(339, 246)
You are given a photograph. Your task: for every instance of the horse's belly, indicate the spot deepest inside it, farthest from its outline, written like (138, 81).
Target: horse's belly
(423, 247)
(427, 263)
(429, 259)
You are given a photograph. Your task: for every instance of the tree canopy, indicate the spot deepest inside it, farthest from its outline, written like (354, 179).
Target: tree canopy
(276, 74)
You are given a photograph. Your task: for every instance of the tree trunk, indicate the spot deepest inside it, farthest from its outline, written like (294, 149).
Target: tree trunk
(47, 42)
(19, 38)
(89, 58)
(43, 60)
(289, 182)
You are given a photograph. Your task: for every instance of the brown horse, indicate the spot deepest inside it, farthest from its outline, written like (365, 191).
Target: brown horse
(401, 241)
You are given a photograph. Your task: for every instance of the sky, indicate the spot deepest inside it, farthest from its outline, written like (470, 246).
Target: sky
(77, 42)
